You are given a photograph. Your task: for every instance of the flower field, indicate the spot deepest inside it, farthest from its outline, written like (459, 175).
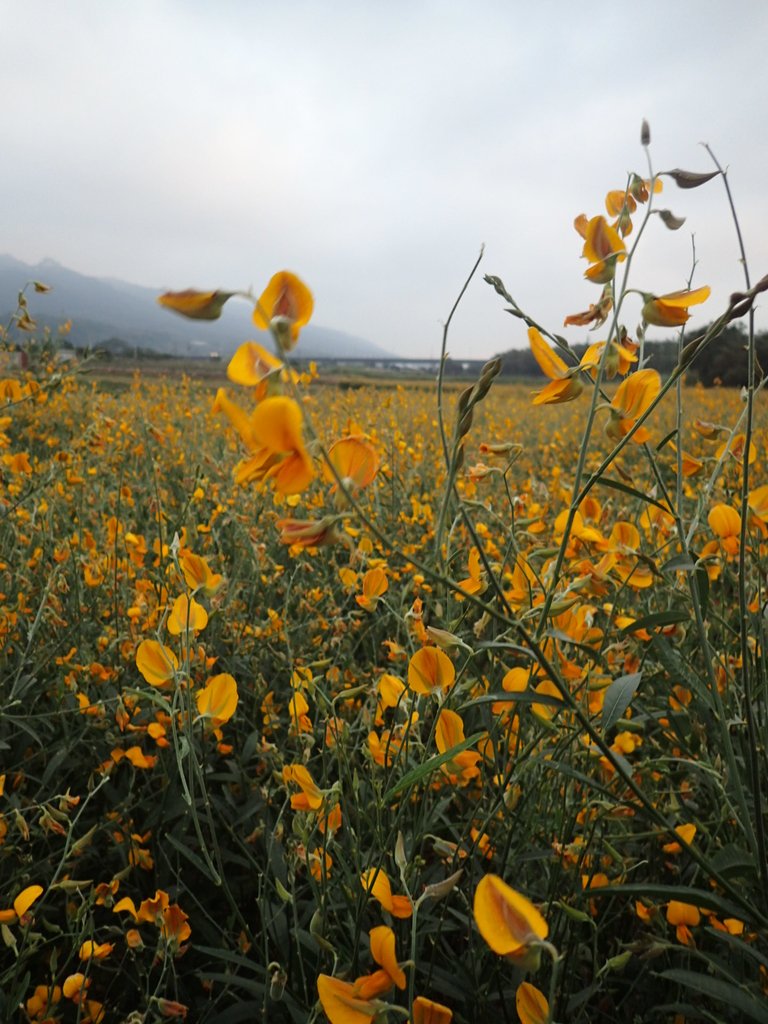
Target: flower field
(386, 703)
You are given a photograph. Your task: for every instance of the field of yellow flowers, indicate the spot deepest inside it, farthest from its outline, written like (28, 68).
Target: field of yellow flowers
(388, 703)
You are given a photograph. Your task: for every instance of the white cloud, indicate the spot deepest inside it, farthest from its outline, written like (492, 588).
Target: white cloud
(373, 148)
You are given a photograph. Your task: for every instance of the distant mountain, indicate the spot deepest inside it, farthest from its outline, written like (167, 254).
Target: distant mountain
(104, 308)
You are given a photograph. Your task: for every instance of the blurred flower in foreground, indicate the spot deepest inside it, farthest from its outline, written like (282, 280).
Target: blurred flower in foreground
(196, 305)
(284, 307)
(508, 922)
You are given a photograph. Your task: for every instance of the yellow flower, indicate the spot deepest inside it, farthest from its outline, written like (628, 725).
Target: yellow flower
(671, 310)
(603, 248)
(355, 461)
(430, 669)
(21, 904)
(342, 1004)
(726, 523)
(565, 384)
(156, 662)
(273, 435)
(531, 1004)
(633, 397)
(375, 584)
(508, 922)
(376, 883)
(251, 364)
(187, 616)
(310, 798)
(198, 573)
(285, 306)
(425, 1011)
(196, 305)
(217, 701)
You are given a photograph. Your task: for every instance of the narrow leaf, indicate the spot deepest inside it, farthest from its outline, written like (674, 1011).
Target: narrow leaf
(617, 485)
(421, 771)
(618, 697)
(751, 1005)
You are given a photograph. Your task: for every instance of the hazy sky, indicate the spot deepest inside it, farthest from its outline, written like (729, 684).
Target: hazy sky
(372, 147)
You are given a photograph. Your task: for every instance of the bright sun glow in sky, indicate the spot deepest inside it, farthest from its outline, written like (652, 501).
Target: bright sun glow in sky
(373, 147)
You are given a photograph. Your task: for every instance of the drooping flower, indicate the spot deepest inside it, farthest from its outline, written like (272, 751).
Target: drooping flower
(198, 574)
(633, 397)
(508, 922)
(377, 884)
(671, 310)
(310, 798)
(531, 1004)
(285, 306)
(449, 733)
(603, 248)
(426, 1011)
(564, 383)
(194, 304)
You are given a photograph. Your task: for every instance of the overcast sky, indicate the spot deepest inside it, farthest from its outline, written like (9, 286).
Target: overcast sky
(372, 147)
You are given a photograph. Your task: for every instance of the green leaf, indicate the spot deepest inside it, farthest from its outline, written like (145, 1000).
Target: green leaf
(423, 770)
(525, 697)
(686, 894)
(751, 1005)
(617, 485)
(618, 697)
(657, 619)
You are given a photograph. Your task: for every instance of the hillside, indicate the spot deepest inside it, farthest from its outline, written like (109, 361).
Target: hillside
(102, 308)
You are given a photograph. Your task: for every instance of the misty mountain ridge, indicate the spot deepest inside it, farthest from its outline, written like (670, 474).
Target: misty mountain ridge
(101, 309)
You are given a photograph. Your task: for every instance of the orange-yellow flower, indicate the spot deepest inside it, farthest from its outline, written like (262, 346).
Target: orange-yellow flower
(198, 574)
(726, 523)
(310, 798)
(156, 662)
(272, 433)
(565, 384)
(633, 397)
(426, 1011)
(531, 1004)
(187, 615)
(376, 883)
(251, 364)
(342, 1004)
(508, 922)
(683, 916)
(355, 461)
(671, 310)
(21, 904)
(603, 248)
(430, 670)
(449, 733)
(217, 701)
(285, 306)
(196, 305)
(375, 584)
(308, 533)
